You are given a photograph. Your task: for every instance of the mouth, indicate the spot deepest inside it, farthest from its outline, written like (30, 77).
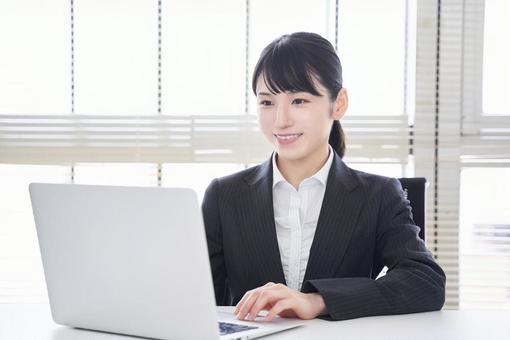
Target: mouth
(287, 138)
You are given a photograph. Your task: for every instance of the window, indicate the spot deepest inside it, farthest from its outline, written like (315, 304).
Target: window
(21, 273)
(496, 54)
(484, 157)
(485, 238)
(115, 69)
(134, 174)
(28, 84)
(159, 93)
(203, 57)
(373, 58)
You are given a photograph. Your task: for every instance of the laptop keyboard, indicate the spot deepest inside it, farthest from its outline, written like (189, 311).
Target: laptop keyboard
(229, 328)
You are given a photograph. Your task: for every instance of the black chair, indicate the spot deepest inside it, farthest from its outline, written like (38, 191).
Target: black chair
(415, 191)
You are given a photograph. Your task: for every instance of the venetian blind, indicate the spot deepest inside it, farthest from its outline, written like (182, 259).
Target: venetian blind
(436, 130)
(168, 82)
(485, 159)
(450, 134)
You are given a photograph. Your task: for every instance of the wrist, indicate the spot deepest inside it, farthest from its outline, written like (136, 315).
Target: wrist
(319, 304)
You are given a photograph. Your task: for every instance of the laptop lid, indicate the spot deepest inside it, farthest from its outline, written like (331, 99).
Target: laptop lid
(126, 260)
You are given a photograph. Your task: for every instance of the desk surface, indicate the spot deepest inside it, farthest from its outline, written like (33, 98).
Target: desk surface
(33, 321)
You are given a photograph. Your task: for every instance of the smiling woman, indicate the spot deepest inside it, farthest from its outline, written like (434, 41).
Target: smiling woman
(302, 234)
(297, 113)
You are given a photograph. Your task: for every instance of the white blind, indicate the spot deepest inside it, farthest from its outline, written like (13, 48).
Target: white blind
(450, 134)
(485, 157)
(159, 83)
(57, 139)
(435, 137)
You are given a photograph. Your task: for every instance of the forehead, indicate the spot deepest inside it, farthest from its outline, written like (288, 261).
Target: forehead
(262, 86)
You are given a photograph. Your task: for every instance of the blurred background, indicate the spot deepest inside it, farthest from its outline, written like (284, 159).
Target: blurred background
(157, 93)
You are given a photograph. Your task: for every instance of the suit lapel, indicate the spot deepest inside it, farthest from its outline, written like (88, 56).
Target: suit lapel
(258, 225)
(341, 206)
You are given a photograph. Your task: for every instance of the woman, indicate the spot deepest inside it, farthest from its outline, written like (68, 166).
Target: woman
(302, 234)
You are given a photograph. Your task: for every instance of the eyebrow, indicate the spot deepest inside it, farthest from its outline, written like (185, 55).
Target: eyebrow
(263, 94)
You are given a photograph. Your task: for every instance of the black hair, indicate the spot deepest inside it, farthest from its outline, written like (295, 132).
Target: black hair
(292, 62)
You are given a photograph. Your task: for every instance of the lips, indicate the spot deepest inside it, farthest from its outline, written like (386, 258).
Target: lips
(287, 138)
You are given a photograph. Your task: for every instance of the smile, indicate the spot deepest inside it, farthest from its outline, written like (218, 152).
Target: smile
(287, 138)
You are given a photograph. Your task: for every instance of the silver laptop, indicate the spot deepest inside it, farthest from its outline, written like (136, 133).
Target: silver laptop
(134, 261)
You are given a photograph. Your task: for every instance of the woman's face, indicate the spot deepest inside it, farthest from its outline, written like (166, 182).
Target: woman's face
(298, 124)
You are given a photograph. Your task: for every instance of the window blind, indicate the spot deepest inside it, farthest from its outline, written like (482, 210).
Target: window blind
(66, 139)
(435, 131)
(136, 101)
(485, 158)
(450, 134)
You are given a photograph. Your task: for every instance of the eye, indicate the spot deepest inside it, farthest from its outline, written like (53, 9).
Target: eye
(299, 101)
(265, 103)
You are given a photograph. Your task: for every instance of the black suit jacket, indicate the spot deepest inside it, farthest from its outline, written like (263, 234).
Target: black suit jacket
(364, 222)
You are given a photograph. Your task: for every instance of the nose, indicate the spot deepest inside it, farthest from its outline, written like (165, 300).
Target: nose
(282, 118)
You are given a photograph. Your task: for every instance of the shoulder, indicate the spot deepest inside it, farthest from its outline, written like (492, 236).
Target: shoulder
(378, 185)
(244, 177)
(238, 181)
(366, 179)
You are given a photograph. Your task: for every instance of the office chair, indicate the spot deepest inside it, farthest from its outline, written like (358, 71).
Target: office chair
(415, 191)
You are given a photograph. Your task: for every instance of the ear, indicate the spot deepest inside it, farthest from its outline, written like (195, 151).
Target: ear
(341, 103)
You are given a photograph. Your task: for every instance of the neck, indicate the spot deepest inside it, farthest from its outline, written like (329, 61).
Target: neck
(296, 170)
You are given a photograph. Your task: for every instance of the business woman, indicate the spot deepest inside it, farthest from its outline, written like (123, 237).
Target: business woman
(302, 234)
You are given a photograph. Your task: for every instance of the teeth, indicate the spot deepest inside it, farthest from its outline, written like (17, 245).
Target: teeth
(288, 137)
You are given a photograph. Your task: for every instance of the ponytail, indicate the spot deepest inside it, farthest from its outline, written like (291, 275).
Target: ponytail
(337, 138)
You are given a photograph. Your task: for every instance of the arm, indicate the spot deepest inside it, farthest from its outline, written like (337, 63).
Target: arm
(414, 281)
(214, 237)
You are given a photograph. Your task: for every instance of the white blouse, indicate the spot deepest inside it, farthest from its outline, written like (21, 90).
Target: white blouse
(296, 214)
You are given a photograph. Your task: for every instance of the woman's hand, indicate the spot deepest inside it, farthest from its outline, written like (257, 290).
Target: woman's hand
(279, 299)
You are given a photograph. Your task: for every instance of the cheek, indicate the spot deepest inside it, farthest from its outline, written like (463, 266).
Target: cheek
(320, 123)
(266, 123)
(319, 132)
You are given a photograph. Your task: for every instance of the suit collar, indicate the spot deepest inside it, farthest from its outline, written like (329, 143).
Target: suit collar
(258, 231)
(338, 170)
(321, 175)
(343, 201)
(260, 172)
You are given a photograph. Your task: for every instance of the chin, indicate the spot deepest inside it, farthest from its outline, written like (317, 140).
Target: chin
(292, 154)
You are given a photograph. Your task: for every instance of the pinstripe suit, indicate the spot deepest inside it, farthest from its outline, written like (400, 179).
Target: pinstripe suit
(364, 224)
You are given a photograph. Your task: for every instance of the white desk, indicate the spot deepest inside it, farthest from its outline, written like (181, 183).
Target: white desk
(33, 321)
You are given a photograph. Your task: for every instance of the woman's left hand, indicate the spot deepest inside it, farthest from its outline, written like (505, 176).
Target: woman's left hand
(279, 299)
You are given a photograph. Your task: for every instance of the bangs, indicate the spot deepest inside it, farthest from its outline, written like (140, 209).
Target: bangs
(284, 70)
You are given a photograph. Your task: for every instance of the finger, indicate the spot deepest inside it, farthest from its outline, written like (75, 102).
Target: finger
(243, 299)
(241, 302)
(247, 304)
(279, 307)
(279, 286)
(265, 300)
(249, 293)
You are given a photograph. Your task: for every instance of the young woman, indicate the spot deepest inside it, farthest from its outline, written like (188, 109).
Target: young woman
(302, 234)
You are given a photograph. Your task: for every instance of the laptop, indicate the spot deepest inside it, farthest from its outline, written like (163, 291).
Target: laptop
(134, 261)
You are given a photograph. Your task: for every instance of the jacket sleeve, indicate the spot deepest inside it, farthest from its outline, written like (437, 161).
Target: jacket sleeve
(413, 283)
(214, 235)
